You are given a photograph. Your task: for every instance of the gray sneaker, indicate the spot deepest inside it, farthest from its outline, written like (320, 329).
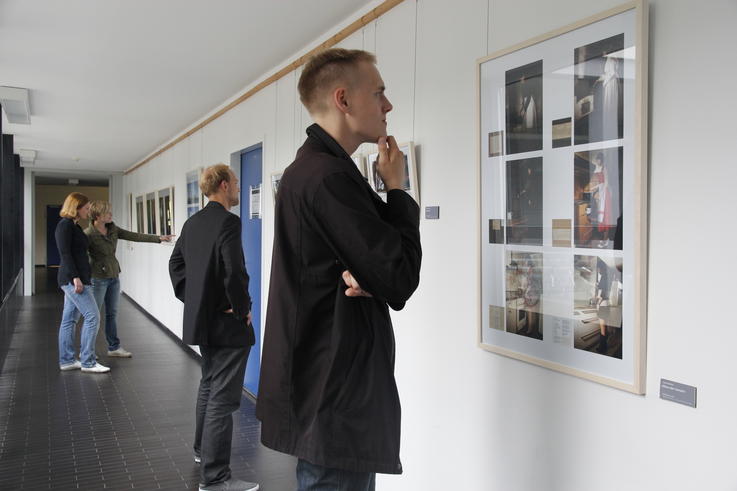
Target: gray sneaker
(120, 353)
(75, 365)
(197, 459)
(230, 485)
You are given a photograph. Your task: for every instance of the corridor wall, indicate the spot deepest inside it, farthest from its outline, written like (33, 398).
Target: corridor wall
(474, 420)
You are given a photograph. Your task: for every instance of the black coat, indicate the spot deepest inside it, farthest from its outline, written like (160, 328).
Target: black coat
(72, 244)
(327, 392)
(208, 273)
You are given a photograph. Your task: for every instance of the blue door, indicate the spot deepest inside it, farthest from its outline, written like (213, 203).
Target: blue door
(52, 218)
(251, 230)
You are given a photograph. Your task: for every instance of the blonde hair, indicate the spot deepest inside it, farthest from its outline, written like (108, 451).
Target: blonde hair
(324, 70)
(72, 203)
(212, 177)
(99, 208)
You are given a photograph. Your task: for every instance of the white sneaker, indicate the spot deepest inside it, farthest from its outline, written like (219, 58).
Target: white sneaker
(75, 365)
(120, 353)
(231, 484)
(97, 368)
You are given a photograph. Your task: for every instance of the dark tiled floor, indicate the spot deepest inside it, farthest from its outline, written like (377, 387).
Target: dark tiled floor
(129, 429)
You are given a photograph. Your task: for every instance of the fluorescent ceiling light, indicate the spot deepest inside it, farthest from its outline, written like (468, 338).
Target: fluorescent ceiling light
(15, 103)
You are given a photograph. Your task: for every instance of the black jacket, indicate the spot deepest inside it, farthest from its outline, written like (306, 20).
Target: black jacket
(327, 392)
(208, 273)
(72, 244)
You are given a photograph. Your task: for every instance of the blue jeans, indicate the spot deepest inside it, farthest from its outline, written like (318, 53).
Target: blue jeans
(76, 305)
(311, 477)
(107, 291)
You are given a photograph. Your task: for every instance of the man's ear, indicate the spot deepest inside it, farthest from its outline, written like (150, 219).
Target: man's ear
(340, 99)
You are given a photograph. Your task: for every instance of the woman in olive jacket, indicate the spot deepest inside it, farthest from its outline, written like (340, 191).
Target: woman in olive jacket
(103, 235)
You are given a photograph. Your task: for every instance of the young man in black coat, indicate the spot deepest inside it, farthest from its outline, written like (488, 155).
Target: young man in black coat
(208, 272)
(341, 257)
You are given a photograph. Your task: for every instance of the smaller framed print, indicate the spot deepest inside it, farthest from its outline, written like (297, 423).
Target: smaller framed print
(140, 216)
(151, 213)
(410, 167)
(360, 162)
(495, 143)
(195, 199)
(275, 180)
(166, 211)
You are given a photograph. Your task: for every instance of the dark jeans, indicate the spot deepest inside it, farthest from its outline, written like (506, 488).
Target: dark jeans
(311, 477)
(219, 396)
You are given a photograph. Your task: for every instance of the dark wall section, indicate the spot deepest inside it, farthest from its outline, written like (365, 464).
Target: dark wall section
(11, 215)
(11, 240)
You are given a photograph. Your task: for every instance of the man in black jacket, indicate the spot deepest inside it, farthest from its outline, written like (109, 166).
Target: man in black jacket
(341, 257)
(208, 272)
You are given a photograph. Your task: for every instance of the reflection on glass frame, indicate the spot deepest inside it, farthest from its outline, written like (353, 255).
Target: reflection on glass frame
(166, 211)
(140, 228)
(598, 90)
(563, 213)
(410, 167)
(195, 199)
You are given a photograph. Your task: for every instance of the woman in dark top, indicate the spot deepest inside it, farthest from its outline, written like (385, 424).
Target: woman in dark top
(75, 280)
(103, 235)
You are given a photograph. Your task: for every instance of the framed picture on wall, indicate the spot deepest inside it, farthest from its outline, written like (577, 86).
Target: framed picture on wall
(129, 204)
(275, 180)
(410, 167)
(151, 213)
(166, 211)
(360, 162)
(195, 199)
(140, 216)
(562, 199)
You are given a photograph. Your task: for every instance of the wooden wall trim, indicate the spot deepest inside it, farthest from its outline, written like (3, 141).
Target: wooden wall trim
(341, 35)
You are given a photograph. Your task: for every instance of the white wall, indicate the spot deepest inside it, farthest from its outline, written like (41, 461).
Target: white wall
(475, 420)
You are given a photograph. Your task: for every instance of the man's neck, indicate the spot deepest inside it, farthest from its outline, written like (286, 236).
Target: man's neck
(223, 200)
(339, 133)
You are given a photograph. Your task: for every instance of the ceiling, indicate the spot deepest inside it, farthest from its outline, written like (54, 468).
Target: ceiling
(112, 80)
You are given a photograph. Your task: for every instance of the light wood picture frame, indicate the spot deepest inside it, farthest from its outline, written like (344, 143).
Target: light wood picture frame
(410, 184)
(562, 197)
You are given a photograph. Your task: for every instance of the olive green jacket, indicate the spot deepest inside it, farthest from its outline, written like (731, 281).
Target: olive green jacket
(102, 248)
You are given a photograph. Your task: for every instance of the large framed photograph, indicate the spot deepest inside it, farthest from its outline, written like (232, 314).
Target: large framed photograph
(562, 174)
(410, 167)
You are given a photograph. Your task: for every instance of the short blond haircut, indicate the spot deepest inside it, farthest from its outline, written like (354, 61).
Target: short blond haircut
(325, 70)
(212, 177)
(72, 203)
(99, 208)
